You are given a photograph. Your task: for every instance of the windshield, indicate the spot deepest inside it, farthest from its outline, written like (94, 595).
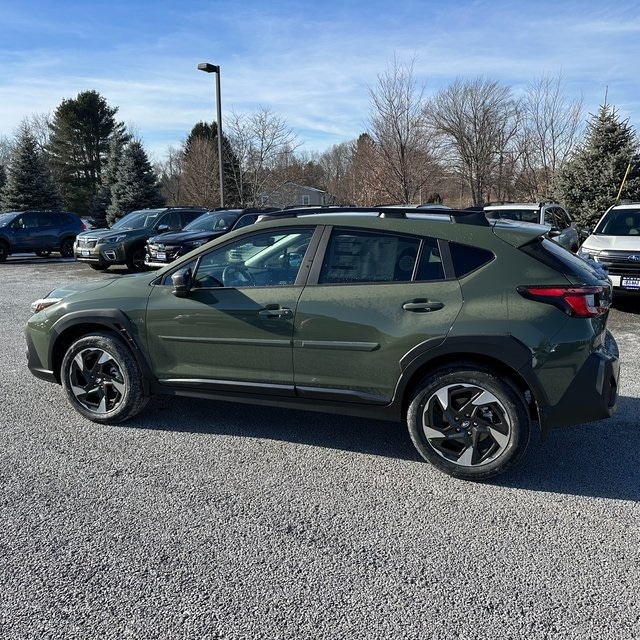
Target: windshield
(138, 219)
(620, 222)
(6, 218)
(218, 221)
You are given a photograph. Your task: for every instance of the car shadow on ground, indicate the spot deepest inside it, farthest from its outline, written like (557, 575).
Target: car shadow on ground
(597, 459)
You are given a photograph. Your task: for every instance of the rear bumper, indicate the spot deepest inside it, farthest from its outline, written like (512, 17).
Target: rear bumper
(593, 395)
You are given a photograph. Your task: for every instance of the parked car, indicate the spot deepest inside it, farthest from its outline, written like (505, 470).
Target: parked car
(469, 332)
(614, 244)
(39, 232)
(166, 247)
(124, 243)
(561, 227)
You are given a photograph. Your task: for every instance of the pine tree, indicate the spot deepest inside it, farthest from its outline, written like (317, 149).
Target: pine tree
(102, 199)
(136, 185)
(28, 183)
(589, 183)
(200, 168)
(80, 133)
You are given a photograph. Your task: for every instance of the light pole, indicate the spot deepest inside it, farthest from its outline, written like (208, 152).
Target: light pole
(214, 68)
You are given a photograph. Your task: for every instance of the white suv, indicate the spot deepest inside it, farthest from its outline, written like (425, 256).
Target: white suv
(561, 227)
(615, 244)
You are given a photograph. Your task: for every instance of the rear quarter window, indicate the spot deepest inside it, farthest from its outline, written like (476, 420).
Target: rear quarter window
(467, 258)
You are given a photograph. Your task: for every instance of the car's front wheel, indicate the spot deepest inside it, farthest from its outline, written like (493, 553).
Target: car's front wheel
(468, 423)
(102, 379)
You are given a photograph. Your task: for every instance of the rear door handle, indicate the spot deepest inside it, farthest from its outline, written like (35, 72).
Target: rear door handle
(422, 305)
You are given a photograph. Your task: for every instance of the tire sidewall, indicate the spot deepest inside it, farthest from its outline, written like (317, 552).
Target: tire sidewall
(133, 398)
(508, 396)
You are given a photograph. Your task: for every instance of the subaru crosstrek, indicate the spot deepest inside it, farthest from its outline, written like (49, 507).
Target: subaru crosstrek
(124, 243)
(470, 331)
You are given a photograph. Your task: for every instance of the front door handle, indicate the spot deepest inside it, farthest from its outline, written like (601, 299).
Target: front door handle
(423, 305)
(275, 311)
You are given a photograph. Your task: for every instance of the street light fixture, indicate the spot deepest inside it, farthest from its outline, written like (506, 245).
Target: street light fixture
(214, 68)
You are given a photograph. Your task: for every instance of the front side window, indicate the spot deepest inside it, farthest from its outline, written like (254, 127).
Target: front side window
(268, 258)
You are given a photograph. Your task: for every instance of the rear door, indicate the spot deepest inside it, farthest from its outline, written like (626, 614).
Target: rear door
(372, 299)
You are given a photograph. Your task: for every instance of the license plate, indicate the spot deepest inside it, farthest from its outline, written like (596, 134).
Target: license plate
(84, 252)
(630, 283)
(161, 256)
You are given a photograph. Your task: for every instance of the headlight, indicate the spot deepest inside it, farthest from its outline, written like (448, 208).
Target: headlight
(194, 244)
(588, 253)
(43, 303)
(111, 240)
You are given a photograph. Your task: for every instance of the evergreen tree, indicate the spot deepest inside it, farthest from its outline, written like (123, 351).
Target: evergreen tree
(3, 177)
(80, 133)
(28, 183)
(136, 185)
(102, 199)
(589, 183)
(200, 168)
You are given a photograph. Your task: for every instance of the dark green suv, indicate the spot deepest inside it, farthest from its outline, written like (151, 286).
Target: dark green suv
(470, 331)
(124, 243)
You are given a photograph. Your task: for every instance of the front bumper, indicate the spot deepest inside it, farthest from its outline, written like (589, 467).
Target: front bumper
(102, 254)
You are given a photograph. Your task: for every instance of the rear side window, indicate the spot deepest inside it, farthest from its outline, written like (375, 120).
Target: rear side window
(368, 256)
(467, 258)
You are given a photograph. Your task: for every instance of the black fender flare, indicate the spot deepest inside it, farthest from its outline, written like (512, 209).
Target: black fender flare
(114, 320)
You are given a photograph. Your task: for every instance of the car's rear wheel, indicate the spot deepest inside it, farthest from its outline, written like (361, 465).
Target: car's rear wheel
(4, 251)
(102, 379)
(135, 259)
(66, 248)
(469, 423)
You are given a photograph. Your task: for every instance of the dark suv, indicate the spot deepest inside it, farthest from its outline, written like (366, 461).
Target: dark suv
(470, 331)
(124, 243)
(39, 232)
(166, 247)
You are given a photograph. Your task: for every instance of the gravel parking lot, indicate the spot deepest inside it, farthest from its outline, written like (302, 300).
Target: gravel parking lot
(218, 521)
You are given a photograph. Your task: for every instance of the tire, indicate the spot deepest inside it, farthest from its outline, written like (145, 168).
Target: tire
(469, 423)
(66, 248)
(102, 379)
(98, 267)
(135, 259)
(43, 253)
(4, 251)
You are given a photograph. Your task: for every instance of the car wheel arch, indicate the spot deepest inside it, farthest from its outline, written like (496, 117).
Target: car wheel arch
(482, 359)
(73, 326)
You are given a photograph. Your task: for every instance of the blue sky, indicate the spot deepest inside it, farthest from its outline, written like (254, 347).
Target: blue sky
(312, 63)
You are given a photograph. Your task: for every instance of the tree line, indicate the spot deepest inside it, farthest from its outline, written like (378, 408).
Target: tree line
(470, 143)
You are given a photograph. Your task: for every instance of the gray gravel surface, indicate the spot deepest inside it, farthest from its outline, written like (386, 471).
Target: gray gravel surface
(212, 520)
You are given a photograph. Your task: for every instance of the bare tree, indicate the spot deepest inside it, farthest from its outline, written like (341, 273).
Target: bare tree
(402, 140)
(199, 164)
(550, 132)
(262, 142)
(170, 172)
(476, 121)
(337, 164)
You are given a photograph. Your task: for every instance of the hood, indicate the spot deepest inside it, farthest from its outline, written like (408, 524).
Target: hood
(65, 290)
(616, 243)
(179, 237)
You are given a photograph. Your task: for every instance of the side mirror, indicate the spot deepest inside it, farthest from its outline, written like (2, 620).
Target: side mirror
(554, 232)
(163, 227)
(182, 281)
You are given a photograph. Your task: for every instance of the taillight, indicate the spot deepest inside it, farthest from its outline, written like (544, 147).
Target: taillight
(579, 302)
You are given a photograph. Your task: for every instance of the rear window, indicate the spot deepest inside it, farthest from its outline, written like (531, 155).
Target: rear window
(554, 256)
